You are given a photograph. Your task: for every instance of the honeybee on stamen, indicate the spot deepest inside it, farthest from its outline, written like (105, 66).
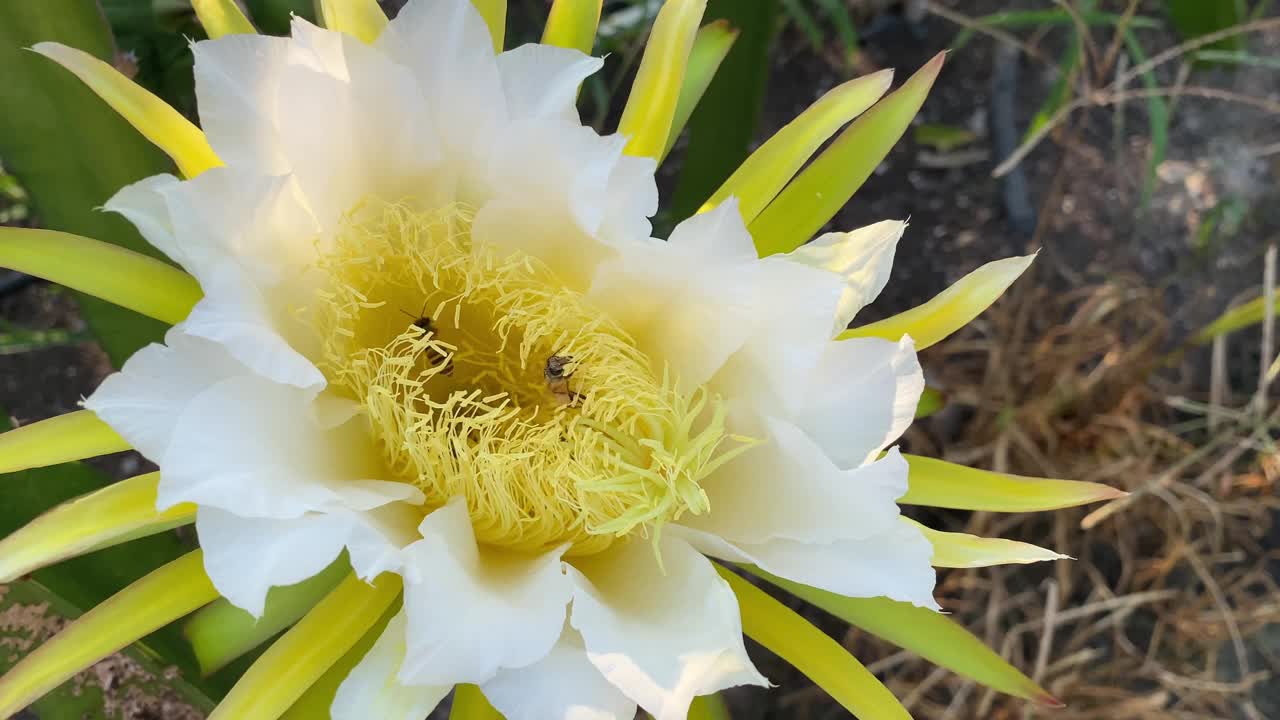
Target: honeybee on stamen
(427, 325)
(557, 371)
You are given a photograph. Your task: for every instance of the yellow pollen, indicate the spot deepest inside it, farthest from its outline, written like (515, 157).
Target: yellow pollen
(483, 375)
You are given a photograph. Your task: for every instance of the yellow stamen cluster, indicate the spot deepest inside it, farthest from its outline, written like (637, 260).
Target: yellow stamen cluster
(484, 376)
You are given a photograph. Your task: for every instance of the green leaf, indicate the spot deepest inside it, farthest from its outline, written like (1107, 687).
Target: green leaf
(33, 611)
(943, 138)
(1237, 318)
(931, 635)
(69, 149)
(85, 581)
(724, 123)
(931, 401)
(709, 707)
(1194, 18)
(1035, 18)
(1157, 116)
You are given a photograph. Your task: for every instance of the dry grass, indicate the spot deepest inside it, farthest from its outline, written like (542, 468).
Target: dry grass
(1154, 618)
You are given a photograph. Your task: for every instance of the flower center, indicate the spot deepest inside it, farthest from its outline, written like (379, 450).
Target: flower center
(483, 375)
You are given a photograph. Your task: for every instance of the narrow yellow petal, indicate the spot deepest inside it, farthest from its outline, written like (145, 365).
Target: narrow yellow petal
(763, 175)
(115, 514)
(710, 48)
(221, 632)
(71, 436)
(145, 606)
(929, 634)
(950, 309)
(494, 13)
(362, 19)
(572, 24)
(222, 17)
(318, 698)
(303, 654)
(651, 107)
(115, 274)
(153, 117)
(938, 483)
(961, 550)
(820, 658)
(821, 189)
(470, 704)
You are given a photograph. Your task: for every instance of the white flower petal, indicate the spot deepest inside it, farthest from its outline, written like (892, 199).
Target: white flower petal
(473, 612)
(632, 200)
(144, 400)
(237, 83)
(893, 564)
(256, 448)
(143, 205)
(359, 128)
(372, 689)
(543, 232)
(859, 397)
(786, 487)
(245, 557)
(236, 314)
(447, 46)
(543, 80)
(661, 636)
(716, 236)
(862, 257)
(564, 685)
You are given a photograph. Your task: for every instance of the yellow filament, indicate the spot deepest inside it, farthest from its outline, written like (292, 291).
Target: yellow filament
(448, 346)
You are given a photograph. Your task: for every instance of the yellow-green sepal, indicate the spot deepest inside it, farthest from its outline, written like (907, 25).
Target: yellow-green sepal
(759, 179)
(222, 17)
(118, 513)
(222, 632)
(962, 550)
(494, 13)
(152, 602)
(470, 704)
(361, 19)
(817, 193)
(710, 47)
(651, 106)
(950, 309)
(115, 274)
(302, 655)
(938, 483)
(70, 436)
(177, 136)
(572, 24)
(823, 660)
(318, 699)
(929, 634)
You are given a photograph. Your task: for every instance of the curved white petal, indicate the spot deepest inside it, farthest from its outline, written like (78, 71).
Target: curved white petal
(543, 232)
(447, 46)
(786, 487)
(632, 200)
(661, 635)
(859, 397)
(358, 128)
(143, 204)
(238, 79)
(258, 449)
(564, 685)
(246, 557)
(863, 257)
(716, 236)
(238, 315)
(372, 689)
(473, 612)
(543, 80)
(895, 563)
(144, 400)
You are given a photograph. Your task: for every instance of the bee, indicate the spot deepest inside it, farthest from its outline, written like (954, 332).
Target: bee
(557, 371)
(427, 325)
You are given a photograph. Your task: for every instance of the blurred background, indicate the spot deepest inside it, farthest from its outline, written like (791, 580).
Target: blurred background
(1134, 143)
